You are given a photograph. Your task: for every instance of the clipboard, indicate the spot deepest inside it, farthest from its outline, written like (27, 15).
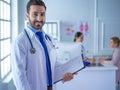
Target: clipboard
(72, 73)
(70, 55)
(75, 65)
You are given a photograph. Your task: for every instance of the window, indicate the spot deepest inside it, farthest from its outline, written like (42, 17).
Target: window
(5, 38)
(52, 29)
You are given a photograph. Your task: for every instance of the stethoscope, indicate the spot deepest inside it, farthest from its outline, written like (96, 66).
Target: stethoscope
(32, 49)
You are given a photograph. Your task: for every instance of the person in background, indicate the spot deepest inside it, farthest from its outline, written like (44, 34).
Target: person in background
(34, 60)
(79, 37)
(115, 60)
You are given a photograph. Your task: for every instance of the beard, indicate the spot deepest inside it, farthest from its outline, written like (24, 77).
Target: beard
(37, 24)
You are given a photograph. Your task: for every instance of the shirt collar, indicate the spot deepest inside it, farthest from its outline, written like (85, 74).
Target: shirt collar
(33, 29)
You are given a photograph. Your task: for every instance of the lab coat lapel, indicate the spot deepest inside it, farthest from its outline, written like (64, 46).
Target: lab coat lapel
(33, 37)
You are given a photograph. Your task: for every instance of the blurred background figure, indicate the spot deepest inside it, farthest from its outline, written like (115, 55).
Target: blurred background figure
(115, 59)
(79, 37)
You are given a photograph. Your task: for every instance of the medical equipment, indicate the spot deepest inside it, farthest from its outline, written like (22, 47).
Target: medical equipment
(32, 49)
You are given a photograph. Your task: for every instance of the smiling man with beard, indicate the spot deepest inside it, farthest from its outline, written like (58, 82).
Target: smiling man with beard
(33, 58)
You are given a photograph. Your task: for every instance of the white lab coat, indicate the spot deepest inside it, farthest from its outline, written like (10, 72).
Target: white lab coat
(29, 70)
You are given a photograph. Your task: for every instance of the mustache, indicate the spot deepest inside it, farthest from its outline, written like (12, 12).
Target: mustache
(39, 21)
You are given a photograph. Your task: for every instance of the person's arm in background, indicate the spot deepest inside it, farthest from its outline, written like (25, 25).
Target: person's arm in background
(103, 61)
(91, 60)
(18, 64)
(114, 60)
(87, 61)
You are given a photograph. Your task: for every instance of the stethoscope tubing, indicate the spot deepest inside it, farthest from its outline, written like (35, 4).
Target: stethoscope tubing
(29, 39)
(32, 49)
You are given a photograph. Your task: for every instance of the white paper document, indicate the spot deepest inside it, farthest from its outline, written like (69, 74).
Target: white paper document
(72, 66)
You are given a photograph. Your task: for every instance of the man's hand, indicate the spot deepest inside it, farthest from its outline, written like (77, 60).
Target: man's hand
(68, 77)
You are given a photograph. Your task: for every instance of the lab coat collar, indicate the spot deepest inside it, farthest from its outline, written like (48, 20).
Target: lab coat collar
(31, 31)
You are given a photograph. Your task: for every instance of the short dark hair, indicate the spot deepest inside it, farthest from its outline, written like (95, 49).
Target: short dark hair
(77, 34)
(35, 2)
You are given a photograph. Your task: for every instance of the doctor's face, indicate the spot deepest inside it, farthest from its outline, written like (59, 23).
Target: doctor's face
(36, 16)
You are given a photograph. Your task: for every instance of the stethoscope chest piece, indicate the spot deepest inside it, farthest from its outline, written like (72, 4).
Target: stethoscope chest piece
(32, 50)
